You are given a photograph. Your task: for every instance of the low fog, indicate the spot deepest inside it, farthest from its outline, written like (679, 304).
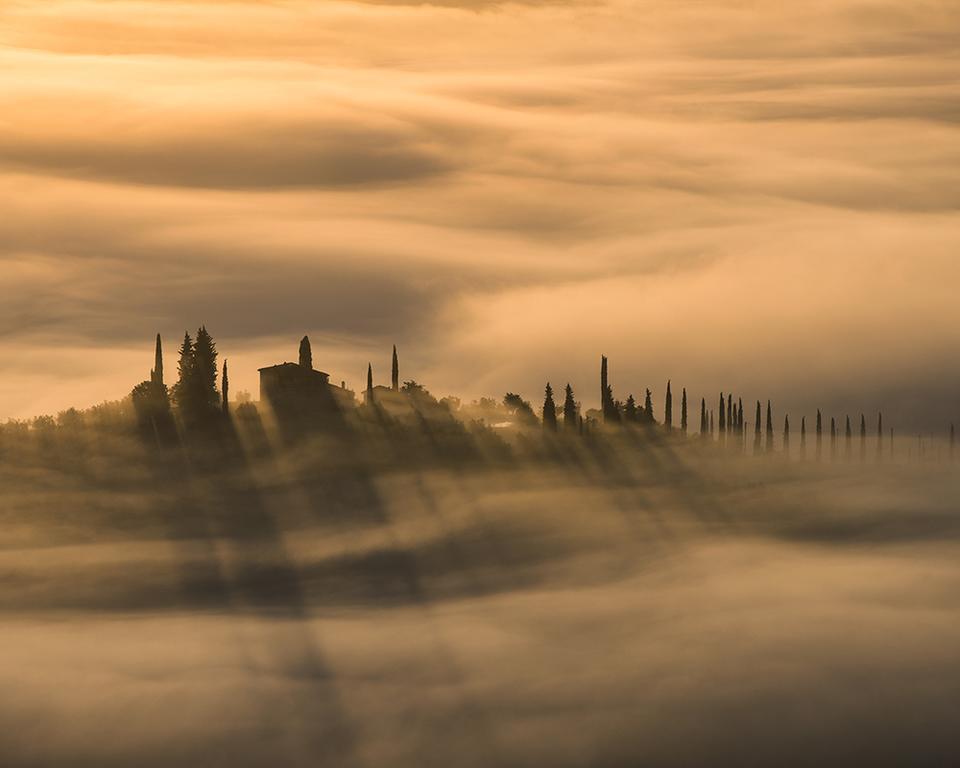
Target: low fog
(441, 591)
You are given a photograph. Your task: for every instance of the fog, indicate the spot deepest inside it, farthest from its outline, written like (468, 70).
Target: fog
(441, 595)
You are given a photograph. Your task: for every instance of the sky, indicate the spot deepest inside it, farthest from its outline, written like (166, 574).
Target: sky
(758, 197)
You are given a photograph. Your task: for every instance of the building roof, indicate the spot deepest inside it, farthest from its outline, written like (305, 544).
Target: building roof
(292, 365)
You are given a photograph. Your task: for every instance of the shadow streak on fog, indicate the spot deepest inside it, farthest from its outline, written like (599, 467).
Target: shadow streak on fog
(419, 596)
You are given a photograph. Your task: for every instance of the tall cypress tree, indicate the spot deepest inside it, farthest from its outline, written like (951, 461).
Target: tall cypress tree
(722, 422)
(569, 410)
(730, 414)
(648, 408)
(769, 427)
(205, 354)
(819, 435)
(630, 410)
(683, 412)
(156, 375)
(880, 436)
(740, 416)
(803, 437)
(848, 444)
(703, 417)
(605, 392)
(395, 371)
(786, 435)
(833, 439)
(549, 410)
(224, 389)
(756, 431)
(306, 354)
(863, 437)
(668, 409)
(369, 393)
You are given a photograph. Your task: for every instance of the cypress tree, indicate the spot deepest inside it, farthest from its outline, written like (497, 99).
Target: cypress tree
(205, 355)
(740, 416)
(880, 436)
(730, 414)
(803, 437)
(756, 432)
(156, 375)
(786, 435)
(224, 389)
(668, 409)
(769, 427)
(711, 424)
(833, 439)
(569, 410)
(604, 389)
(683, 412)
(953, 440)
(630, 410)
(369, 393)
(549, 410)
(395, 371)
(703, 417)
(863, 437)
(819, 435)
(848, 444)
(648, 409)
(306, 354)
(722, 422)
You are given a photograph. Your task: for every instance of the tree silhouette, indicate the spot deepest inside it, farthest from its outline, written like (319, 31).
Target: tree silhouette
(395, 371)
(224, 389)
(803, 437)
(756, 431)
(205, 353)
(607, 408)
(549, 410)
(833, 439)
(369, 392)
(569, 410)
(880, 436)
(683, 412)
(730, 414)
(722, 421)
(703, 417)
(769, 427)
(668, 409)
(306, 354)
(648, 409)
(630, 410)
(819, 435)
(520, 408)
(740, 416)
(156, 375)
(848, 444)
(786, 435)
(953, 441)
(863, 437)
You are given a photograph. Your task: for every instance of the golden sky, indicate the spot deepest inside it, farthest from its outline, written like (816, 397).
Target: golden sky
(757, 196)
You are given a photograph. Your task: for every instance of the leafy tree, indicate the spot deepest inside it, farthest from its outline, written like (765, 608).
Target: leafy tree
(549, 410)
(519, 408)
(569, 410)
